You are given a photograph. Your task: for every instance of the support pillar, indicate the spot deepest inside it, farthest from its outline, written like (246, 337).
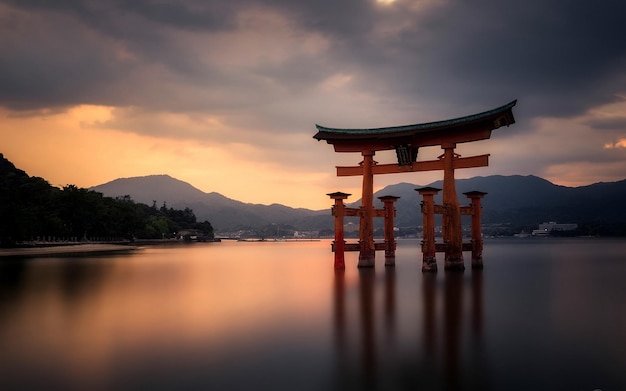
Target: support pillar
(339, 212)
(390, 241)
(477, 238)
(429, 251)
(453, 235)
(367, 251)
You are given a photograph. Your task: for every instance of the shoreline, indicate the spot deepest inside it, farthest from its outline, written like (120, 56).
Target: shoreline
(73, 249)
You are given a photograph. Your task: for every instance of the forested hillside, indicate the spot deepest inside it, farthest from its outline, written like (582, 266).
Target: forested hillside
(522, 202)
(31, 209)
(225, 214)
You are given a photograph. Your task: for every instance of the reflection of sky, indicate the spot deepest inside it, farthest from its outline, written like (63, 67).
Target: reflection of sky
(276, 315)
(155, 303)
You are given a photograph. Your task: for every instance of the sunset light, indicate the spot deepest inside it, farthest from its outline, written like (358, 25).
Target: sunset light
(312, 195)
(618, 144)
(226, 98)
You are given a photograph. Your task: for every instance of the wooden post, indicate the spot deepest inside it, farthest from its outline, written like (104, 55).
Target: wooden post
(339, 212)
(453, 235)
(390, 241)
(477, 239)
(429, 251)
(367, 251)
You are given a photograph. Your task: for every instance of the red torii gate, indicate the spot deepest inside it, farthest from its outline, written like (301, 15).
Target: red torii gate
(406, 140)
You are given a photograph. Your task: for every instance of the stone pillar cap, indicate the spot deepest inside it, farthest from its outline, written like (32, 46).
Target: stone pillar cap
(428, 189)
(338, 195)
(474, 193)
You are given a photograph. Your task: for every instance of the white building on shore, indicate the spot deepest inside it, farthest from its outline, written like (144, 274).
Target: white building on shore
(545, 228)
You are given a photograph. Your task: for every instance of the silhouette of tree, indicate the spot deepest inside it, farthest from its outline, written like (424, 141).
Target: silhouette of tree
(31, 208)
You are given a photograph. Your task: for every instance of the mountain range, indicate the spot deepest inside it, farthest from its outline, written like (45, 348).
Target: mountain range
(225, 214)
(519, 201)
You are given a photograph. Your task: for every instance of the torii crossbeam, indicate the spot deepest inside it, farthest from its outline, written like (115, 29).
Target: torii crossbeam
(406, 141)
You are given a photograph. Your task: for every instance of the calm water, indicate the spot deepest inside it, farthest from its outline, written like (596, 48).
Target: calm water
(544, 314)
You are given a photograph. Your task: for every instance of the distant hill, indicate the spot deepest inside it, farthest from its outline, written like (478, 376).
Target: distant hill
(224, 213)
(520, 201)
(523, 201)
(33, 212)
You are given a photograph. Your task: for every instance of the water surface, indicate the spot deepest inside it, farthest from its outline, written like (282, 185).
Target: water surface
(544, 314)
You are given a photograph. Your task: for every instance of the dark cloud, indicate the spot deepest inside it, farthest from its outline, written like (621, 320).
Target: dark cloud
(558, 57)
(105, 15)
(611, 123)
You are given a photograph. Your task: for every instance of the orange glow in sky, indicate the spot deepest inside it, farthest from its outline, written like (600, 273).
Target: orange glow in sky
(226, 95)
(77, 147)
(67, 148)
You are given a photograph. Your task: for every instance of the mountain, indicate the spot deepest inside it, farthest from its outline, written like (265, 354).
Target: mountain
(223, 213)
(519, 201)
(522, 201)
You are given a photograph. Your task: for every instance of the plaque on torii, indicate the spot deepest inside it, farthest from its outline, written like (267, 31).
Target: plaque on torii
(406, 141)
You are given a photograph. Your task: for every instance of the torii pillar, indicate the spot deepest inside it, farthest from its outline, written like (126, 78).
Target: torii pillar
(477, 239)
(367, 251)
(429, 250)
(390, 241)
(451, 227)
(339, 213)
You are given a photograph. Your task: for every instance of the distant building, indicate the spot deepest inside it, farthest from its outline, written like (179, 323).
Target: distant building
(546, 228)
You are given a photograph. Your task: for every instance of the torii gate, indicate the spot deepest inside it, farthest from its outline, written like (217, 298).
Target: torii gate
(406, 140)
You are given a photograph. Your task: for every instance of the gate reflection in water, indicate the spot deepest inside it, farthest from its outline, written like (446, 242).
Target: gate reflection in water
(546, 314)
(378, 358)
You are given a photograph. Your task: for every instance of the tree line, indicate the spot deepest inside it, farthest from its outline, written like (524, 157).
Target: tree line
(32, 209)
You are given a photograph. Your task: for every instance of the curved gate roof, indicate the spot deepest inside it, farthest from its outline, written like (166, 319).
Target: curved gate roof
(463, 129)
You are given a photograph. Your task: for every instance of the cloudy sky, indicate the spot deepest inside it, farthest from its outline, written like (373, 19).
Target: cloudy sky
(225, 95)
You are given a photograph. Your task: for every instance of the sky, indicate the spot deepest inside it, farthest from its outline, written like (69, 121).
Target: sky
(225, 95)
